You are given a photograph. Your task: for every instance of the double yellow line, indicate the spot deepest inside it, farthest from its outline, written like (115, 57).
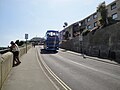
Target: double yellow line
(65, 86)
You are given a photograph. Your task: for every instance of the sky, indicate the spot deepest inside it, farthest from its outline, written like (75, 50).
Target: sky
(35, 17)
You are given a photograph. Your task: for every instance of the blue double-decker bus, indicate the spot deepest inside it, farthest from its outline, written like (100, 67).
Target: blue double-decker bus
(51, 40)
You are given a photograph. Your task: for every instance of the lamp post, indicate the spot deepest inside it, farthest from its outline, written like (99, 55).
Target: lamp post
(81, 42)
(26, 37)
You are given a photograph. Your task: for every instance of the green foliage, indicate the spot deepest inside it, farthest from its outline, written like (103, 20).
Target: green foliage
(66, 36)
(85, 33)
(19, 43)
(65, 24)
(103, 12)
(112, 21)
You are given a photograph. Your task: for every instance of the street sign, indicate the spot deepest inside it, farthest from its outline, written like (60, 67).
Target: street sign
(26, 36)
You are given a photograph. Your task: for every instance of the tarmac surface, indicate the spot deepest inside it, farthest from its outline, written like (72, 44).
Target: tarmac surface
(28, 75)
(93, 58)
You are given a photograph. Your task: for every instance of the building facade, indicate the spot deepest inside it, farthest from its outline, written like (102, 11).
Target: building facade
(91, 22)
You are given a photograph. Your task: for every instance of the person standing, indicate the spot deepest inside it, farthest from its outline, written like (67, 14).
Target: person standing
(15, 50)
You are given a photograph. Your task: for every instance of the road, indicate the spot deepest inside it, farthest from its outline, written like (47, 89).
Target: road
(83, 74)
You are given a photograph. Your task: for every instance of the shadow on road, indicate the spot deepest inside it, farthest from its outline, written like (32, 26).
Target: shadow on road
(43, 51)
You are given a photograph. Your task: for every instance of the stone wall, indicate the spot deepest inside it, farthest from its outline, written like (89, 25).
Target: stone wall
(104, 43)
(5, 66)
(6, 62)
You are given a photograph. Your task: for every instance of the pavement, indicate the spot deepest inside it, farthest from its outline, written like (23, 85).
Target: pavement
(28, 75)
(93, 58)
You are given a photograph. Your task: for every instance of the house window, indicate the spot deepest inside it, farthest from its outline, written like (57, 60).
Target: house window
(89, 27)
(79, 24)
(88, 19)
(83, 23)
(95, 24)
(114, 16)
(94, 16)
(113, 6)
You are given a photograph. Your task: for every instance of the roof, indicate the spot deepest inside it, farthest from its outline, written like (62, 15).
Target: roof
(52, 31)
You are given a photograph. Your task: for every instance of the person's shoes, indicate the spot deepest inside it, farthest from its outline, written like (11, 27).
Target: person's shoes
(18, 63)
(14, 65)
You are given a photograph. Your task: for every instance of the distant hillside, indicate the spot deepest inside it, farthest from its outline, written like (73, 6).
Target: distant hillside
(37, 40)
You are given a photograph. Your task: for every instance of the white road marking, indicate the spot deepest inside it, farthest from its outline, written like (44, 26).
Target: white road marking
(65, 59)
